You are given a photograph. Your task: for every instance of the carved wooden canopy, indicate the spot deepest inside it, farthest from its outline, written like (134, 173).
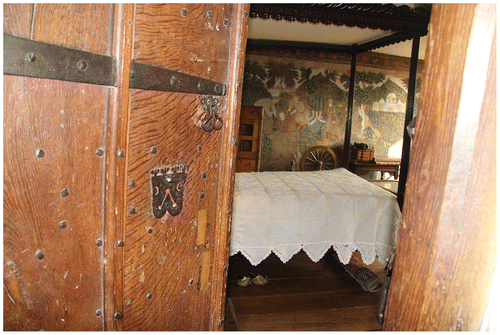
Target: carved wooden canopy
(404, 21)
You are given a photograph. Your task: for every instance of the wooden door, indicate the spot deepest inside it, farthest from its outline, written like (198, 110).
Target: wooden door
(173, 266)
(83, 247)
(53, 178)
(446, 259)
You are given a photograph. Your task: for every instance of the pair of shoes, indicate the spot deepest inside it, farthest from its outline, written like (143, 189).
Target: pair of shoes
(249, 278)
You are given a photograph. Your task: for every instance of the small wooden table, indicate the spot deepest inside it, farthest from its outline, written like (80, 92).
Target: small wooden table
(360, 168)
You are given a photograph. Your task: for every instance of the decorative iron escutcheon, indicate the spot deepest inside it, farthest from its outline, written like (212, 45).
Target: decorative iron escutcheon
(211, 114)
(167, 185)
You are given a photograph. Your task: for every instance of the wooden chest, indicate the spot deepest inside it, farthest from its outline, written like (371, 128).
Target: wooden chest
(117, 195)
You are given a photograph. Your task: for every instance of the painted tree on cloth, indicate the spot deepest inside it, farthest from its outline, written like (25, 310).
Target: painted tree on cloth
(253, 83)
(370, 87)
(285, 75)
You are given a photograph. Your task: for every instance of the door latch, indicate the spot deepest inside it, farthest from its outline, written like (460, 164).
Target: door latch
(212, 106)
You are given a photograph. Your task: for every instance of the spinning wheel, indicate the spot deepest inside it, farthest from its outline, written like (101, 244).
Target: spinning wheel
(318, 158)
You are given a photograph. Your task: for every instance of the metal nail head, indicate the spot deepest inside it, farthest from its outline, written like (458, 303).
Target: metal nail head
(64, 193)
(30, 57)
(99, 152)
(40, 153)
(62, 225)
(118, 315)
(82, 65)
(39, 254)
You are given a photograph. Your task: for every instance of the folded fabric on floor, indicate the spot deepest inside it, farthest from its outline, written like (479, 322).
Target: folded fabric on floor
(368, 280)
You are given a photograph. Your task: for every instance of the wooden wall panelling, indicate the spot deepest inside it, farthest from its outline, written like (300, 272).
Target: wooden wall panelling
(446, 244)
(61, 289)
(167, 276)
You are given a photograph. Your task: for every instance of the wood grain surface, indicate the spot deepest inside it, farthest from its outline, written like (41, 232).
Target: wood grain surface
(169, 263)
(445, 252)
(197, 43)
(238, 26)
(116, 141)
(62, 290)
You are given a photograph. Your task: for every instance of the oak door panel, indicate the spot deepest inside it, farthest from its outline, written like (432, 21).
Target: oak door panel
(190, 38)
(17, 19)
(168, 261)
(85, 27)
(53, 183)
(162, 256)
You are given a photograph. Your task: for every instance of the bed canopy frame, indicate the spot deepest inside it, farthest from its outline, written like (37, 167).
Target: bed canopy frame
(405, 22)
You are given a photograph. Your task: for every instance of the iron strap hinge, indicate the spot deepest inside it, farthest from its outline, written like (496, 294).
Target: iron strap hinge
(149, 77)
(25, 57)
(30, 58)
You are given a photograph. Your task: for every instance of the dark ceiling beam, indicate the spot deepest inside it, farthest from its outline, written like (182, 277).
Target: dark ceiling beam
(412, 21)
(344, 48)
(276, 44)
(383, 41)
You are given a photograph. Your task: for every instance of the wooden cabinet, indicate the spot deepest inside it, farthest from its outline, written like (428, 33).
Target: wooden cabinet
(247, 158)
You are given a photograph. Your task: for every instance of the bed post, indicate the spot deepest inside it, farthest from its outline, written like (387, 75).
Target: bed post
(350, 102)
(410, 105)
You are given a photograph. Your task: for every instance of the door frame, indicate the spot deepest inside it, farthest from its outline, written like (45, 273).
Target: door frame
(447, 237)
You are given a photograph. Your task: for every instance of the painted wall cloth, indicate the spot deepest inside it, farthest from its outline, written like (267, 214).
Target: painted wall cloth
(304, 98)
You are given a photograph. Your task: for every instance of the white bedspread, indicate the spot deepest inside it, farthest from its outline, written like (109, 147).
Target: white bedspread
(284, 212)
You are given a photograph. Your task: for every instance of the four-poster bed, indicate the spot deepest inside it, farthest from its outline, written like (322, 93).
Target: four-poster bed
(405, 23)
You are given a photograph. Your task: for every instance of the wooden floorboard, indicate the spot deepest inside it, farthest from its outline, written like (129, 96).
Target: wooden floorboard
(301, 296)
(343, 319)
(284, 286)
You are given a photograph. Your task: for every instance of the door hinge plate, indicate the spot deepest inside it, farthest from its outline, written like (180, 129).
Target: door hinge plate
(149, 77)
(25, 57)
(30, 58)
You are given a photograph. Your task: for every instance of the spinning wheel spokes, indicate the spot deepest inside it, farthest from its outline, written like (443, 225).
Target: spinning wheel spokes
(318, 158)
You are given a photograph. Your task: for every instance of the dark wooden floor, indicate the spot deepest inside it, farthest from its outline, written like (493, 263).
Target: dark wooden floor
(300, 296)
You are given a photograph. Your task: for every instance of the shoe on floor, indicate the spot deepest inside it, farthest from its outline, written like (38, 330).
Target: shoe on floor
(259, 280)
(244, 281)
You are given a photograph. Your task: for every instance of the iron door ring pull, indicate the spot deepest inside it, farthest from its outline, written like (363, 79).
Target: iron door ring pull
(212, 113)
